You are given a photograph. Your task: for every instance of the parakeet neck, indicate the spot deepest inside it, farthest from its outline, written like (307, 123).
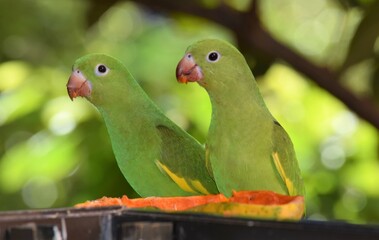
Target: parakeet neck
(236, 105)
(123, 113)
(239, 95)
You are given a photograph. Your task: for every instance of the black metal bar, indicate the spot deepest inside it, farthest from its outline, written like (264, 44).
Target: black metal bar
(122, 223)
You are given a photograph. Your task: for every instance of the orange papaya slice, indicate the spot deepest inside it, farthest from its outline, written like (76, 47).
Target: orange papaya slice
(252, 204)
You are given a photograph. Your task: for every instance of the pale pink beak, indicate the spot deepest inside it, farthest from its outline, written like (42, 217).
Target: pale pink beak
(187, 70)
(78, 85)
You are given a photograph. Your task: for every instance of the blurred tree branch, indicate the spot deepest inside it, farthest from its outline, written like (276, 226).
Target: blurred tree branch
(255, 40)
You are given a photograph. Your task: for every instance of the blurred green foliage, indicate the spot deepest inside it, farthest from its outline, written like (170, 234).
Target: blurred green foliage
(55, 153)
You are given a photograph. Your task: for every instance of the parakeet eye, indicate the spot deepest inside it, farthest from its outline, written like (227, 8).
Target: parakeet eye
(189, 56)
(213, 56)
(101, 70)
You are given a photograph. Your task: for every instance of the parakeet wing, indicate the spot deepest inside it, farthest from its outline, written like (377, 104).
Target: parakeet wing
(284, 159)
(184, 162)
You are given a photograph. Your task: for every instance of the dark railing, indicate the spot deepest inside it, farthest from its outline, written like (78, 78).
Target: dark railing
(122, 223)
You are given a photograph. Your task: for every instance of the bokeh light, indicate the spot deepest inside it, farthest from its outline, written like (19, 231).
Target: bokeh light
(39, 192)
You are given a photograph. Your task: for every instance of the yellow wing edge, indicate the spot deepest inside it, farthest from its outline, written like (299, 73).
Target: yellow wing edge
(286, 180)
(194, 186)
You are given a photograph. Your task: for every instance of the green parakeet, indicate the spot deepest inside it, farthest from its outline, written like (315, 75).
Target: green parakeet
(247, 149)
(156, 156)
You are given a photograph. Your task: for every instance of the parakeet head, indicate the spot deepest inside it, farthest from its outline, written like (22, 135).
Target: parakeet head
(96, 77)
(212, 63)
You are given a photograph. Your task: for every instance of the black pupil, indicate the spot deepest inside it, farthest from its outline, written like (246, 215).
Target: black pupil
(102, 69)
(213, 56)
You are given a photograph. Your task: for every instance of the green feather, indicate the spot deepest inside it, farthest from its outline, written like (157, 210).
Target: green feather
(248, 149)
(156, 156)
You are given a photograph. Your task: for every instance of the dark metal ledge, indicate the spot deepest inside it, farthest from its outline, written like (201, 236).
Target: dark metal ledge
(122, 223)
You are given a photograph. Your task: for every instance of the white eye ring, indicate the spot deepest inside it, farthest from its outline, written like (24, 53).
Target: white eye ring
(213, 56)
(101, 70)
